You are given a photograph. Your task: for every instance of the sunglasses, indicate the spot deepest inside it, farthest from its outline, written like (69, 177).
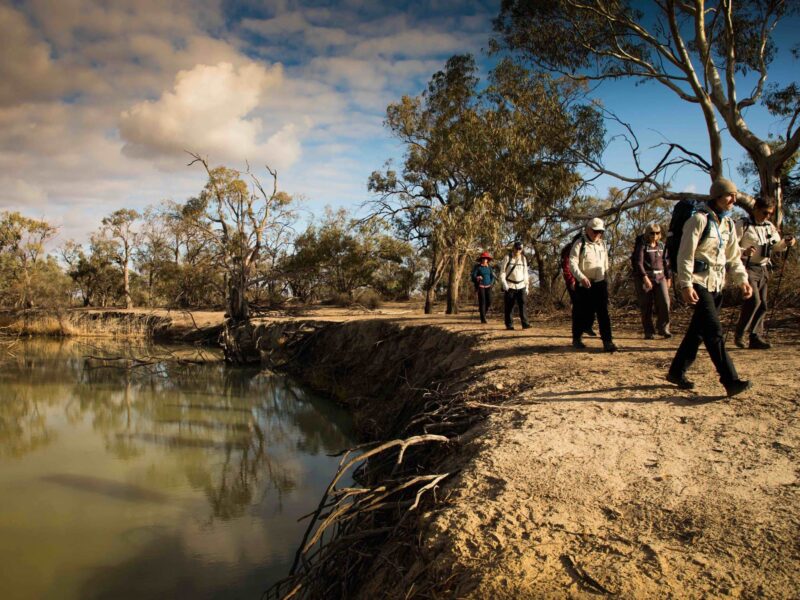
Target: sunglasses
(600, 231)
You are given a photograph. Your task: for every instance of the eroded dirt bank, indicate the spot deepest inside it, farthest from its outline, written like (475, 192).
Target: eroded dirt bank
(595, 476)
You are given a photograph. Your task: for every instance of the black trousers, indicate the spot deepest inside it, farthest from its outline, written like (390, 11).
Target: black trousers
(512, 297)
(484, 301)
(705, 327)
(588, 303)
(754, 309)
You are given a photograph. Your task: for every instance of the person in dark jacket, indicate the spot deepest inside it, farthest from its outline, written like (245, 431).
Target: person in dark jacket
(652, 279)
(483, 278)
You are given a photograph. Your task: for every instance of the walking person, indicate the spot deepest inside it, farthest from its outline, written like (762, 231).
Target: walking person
(514, 280)
(758, 239)
(483, 278)
(709, 247)
(652, 279)
(588, 262)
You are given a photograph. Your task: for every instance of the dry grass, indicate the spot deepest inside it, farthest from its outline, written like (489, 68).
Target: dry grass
(80, 324)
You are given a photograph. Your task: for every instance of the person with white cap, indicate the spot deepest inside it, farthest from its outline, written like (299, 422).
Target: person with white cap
(514, 281)
(708, 248)
(588, 261)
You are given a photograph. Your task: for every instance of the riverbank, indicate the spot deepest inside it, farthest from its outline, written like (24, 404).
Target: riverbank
(570, 474)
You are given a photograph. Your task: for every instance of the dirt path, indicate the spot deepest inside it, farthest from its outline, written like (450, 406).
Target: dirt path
(601, 478)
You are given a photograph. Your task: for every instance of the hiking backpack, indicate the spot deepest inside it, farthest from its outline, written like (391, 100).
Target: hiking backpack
(569, 278)
(682, 212)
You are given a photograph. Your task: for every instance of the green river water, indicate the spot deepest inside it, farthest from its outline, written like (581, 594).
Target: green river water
(156, 481)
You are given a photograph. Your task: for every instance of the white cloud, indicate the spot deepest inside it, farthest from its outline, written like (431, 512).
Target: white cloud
(16, 193)
(209, 111)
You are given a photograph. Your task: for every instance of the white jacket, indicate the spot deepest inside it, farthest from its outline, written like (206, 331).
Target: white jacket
(757, 235)
(588, 259)
(514, 273)
(720, 250)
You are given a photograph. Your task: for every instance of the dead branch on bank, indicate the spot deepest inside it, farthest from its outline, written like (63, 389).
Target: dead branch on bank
(374, 518)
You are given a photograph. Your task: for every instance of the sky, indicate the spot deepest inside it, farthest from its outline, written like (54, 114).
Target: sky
(100, 99)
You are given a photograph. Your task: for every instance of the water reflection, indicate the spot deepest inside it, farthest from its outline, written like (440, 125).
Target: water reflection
(161, 436)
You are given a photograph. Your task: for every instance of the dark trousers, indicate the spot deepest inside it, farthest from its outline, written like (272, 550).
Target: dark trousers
(705, 327)
(658, 298)
(754, 309)
(588, 303)
(572, 301)
(511, 298)
(484, 301)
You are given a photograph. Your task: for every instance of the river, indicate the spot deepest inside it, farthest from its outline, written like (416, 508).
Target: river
(154, 479)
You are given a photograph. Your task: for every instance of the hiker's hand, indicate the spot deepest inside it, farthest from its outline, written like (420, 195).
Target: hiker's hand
(586, 283)
(690, 296)
(747, 290)
(648, 285)
(479, 277)
(669, 283)
(750, 251)
(790, 241)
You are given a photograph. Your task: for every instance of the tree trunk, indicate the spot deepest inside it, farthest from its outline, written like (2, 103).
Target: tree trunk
(435, 274)
(771, 188)
(541, 269)
(454, 283)
(126, 280)
(238, 310)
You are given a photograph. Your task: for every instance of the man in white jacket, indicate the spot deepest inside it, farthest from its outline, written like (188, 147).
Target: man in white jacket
(514, 280)
(707, 250)
(759, 240)
(588, 261)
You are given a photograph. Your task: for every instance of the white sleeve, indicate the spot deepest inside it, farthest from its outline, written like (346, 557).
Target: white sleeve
(574, 260)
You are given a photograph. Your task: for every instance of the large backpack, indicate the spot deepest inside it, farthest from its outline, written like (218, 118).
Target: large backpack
(682, 212)
(569, 278)
(636, 245)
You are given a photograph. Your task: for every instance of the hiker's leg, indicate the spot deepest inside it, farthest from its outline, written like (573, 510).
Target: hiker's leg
(749, 306)
(687, 351)
(757, 325)
(508, 307)
(521, 297)
(661, 297)
(579, 310)
(645, 305)
(714, 337)
(600, 303)
(482, 303)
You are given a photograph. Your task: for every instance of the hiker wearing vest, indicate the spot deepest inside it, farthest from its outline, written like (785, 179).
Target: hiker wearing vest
(483, 278)
(514, 280)
(758, 239)
(652, 279)
(588, 262)
(707, 248)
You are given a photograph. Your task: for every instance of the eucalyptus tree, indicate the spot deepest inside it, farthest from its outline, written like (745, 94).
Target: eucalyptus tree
(22, 256)
(123, 237)
(242, 223)
(442, 132)
(705, 53)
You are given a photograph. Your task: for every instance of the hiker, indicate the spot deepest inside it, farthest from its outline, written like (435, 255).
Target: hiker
(758, 239)
(514, 280)
(570, 283)
(483, 278)
(588, 262)
(652, 279)
(708, 247)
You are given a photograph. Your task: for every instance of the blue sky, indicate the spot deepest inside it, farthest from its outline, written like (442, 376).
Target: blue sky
(99, 99)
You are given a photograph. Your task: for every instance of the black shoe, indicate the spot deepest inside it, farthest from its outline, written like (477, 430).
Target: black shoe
(484, 321)
(510, 327)
(610, 347)
(666, 334)
(757, 343)
(680, 381)
(739, 341)
(590, 332)
(737, 387)
(649, 336)
(578, 344)
(526, 325)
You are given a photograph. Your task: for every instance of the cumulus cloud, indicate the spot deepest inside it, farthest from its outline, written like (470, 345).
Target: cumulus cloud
(209, 111)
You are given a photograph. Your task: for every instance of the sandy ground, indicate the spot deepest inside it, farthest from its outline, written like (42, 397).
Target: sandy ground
(599, 478)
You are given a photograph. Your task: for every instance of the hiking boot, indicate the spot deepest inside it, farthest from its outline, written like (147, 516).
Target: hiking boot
(758, 343)
(578, 344)
(484, 321)
(590, 332)
(649, 336)
(510, 327)
(739, 341)
(737, 387)
(665, 334)
(526, 325)
(610, 347)
(680, 381)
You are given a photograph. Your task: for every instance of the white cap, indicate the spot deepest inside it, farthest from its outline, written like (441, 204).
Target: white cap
(596, 224)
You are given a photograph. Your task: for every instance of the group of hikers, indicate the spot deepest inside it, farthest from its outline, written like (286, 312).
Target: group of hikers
(707, 247)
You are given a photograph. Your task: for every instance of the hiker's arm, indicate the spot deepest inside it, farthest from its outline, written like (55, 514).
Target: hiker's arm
(525, 277)
(733, 259)
(692, 231)
(574, 259)
(503, 267)
(640, 260)
(780, 243)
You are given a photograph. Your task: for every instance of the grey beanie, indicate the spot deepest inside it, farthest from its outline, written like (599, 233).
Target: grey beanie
(722, 186)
